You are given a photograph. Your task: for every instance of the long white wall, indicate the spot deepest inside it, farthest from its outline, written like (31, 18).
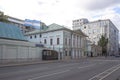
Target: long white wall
(18, 50)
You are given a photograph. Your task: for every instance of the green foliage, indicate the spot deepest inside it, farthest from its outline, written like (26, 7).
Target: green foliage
(103, 43)
(3, 18)
(43, 26)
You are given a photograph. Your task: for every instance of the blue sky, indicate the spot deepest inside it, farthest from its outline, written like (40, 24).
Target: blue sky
(63, 11)
(117, 10)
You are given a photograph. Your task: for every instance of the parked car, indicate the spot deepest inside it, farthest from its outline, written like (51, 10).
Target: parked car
(117, 55)
(112, 55)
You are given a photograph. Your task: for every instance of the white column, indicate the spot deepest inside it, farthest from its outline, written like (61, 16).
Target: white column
(72, 53)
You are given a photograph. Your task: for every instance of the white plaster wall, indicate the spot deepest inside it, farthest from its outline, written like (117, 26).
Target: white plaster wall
(33, 39)
(0, 52)
(48, 35)
(15, 51)
(23, 52)
(53, 35)
(10, 53)
(32, 53)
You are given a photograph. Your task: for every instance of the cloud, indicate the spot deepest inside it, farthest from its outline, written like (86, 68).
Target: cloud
(62, 11)
(99, 4)
(19, 8)
(40, 3)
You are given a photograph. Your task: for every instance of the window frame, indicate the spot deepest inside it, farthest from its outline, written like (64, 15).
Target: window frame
(58, 41)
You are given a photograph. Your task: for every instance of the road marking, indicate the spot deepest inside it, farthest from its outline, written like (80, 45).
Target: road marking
(105, 73)
(67, 65)
(105, 60)
(47, 75)
(86, 66)
(110, 73)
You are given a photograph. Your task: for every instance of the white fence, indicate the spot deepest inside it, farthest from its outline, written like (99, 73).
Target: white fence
(12, 51)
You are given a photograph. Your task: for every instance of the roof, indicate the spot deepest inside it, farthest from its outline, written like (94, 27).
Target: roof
(80, 32)
(51, 27)
(101, 21)
(97, 21)
(9, 31)
(80, 19)
(55, 27)
(15, 18)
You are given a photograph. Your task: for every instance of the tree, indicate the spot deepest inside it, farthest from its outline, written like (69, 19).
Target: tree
(3, 18)
(103, 41)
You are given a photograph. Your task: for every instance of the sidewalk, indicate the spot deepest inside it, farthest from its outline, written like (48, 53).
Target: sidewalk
(49, 61)
(10, 64)
(27, 63)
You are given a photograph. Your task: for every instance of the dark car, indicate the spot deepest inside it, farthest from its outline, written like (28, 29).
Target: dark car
(117, 55)
(112, 55)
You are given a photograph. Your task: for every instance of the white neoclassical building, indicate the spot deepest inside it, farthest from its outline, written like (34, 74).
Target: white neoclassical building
(69, 43)
(95, 29)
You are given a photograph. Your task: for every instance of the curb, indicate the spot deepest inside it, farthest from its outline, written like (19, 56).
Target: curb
(23, 64)
(44, 62)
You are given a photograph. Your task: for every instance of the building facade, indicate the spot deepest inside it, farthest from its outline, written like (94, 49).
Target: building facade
(68, 43)
(98, 28)
(20, 23)
(26, 25)
(79, 22)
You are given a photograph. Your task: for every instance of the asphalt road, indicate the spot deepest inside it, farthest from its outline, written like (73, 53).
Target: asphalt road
(87, 69)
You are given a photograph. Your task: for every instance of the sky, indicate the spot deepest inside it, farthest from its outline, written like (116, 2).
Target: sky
(62, 11)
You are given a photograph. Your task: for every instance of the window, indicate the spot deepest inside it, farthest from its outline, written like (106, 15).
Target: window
(66, 41)
(58, 41)
(69, 53)
(40, 35)
(30, 37)
(84, 27)
(73, 40)
(65, 53)
(51, 41)
(45, 41)
(35, 36)
(115, 31)
(69, 42)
